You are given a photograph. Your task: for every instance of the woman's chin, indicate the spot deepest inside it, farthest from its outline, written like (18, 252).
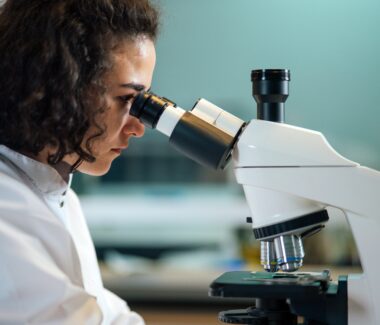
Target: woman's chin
(94, 169)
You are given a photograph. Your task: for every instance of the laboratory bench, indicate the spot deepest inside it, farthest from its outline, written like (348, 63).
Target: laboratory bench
(162, 315)
(166, 296)
(172, 297)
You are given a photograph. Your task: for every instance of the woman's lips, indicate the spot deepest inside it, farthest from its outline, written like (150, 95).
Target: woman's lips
(118, 150)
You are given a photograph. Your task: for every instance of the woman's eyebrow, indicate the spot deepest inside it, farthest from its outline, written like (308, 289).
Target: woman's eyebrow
(134, 86)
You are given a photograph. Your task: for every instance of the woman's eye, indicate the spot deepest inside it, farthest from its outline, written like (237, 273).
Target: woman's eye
(127, 99)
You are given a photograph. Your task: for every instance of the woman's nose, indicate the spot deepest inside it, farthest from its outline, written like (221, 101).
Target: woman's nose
(134, 127)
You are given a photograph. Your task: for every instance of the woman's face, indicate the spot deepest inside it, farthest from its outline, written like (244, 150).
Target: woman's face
(132, 71)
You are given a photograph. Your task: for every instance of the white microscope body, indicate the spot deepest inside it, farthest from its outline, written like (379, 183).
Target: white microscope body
(289, 175)
(288, 171)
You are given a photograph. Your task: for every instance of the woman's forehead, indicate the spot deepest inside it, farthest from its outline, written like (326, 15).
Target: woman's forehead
(132, 62)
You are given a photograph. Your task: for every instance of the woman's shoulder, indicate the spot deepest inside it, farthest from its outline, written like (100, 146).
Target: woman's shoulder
(12, 189)
(18, 199)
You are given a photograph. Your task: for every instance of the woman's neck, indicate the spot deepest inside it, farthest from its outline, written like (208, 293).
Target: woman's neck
(63, 168)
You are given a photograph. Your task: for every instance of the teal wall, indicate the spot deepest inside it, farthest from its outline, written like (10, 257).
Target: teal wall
(207, 48)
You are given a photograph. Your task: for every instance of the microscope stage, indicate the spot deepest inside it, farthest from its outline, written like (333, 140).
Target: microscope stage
(281, 297)
(245, 284)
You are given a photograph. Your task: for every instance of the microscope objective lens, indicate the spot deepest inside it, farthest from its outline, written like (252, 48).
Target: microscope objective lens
(268, 256)
(289, 252)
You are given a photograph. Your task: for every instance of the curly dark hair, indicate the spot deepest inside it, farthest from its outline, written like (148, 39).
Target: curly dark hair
(51, 53)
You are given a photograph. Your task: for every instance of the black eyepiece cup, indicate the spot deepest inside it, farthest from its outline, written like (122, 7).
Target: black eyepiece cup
(270, 89)
(148, 108)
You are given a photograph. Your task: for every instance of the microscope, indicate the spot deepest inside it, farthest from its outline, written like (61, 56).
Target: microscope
(289, 176)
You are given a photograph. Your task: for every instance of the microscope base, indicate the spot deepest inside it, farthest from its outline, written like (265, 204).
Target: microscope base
(282, 297)
(271, 311)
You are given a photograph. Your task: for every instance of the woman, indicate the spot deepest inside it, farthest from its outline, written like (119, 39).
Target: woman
(69, 70)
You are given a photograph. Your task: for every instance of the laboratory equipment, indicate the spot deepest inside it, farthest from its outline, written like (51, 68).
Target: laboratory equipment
(289, 176)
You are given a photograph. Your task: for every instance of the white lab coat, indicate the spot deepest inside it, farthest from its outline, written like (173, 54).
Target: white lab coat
(48, 267)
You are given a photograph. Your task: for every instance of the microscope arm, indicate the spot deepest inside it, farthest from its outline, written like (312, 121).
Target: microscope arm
(279, 163)
(354, 190)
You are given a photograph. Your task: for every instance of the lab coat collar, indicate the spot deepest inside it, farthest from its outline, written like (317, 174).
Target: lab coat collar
(44, 177)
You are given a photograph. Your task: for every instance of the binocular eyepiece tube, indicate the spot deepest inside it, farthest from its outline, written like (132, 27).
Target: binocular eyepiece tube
(207, 134)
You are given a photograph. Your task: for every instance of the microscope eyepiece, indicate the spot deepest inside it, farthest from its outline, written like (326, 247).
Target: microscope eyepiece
(148, 108)
(270, 89)
(207, 134)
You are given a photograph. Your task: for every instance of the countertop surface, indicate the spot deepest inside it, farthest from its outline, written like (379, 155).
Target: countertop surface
(188, 286)
(169, 296)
